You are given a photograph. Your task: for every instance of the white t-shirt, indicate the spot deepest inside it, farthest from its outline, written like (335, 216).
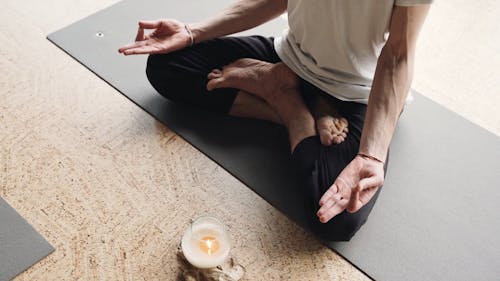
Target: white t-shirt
(335, 44)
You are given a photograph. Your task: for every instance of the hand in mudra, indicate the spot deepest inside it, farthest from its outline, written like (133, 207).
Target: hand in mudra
(168, 35)
(352, 189)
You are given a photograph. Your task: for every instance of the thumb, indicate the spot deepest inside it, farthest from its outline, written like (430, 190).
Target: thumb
(363, 192)
(149, 24)
(370, 182)
(354, 204)
(140, 35)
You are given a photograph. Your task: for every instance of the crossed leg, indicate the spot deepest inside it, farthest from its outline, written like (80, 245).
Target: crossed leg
(278, 86)
(182, 77)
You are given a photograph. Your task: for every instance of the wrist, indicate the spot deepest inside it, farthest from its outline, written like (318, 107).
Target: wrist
(190, 33)
(196, 32)
(373, 148)
(370, 157)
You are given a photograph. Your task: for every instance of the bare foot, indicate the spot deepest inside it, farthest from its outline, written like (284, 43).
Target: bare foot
(274, 83)
(330, 125)
(257, 77)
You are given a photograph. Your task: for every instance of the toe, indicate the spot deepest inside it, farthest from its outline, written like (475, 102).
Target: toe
(215, 83)
(343, 121)
(210, 76)
(337, 139)
(337, 126)
(214, 74)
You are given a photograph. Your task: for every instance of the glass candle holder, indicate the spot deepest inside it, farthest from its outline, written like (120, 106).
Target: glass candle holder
(205, 243)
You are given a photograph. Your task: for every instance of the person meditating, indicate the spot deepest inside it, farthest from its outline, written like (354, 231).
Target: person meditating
(337, 79)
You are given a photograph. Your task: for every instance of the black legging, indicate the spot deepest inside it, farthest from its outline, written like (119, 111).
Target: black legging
(182, 77)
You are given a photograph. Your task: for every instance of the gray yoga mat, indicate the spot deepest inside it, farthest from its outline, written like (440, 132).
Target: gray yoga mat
(437, 217)
(20, 245)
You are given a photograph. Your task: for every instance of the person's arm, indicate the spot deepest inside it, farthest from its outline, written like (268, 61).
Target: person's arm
(359, 181)
(240, 16)
(392, 80)
(169, 35)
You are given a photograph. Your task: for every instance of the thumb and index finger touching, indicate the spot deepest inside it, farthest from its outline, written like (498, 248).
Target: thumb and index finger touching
(363, 192)
(359, 195)
(149, 24)
(146, 24)
(140, 37)
(140, 34)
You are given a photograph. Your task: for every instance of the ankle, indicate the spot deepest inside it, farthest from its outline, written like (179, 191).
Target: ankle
(286, 77)
(303, 122)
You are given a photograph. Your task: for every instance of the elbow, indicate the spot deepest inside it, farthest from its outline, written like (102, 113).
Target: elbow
(396, 65)
(397, 60)
(395, 54)
(280, 6)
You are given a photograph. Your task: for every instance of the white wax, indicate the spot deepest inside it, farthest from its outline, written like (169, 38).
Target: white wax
(191, 246)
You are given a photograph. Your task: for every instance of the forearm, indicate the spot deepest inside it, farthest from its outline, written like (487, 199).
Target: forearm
(242, 15)
(388, 95)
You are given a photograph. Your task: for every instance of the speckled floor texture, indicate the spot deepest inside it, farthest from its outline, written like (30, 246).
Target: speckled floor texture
(89, 169)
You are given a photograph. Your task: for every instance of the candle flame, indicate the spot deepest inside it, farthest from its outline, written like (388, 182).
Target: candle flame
(209, 245)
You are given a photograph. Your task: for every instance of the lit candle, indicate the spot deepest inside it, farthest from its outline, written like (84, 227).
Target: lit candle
(205, 243)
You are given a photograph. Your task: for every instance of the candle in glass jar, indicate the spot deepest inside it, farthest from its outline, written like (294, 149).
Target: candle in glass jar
(205, 243)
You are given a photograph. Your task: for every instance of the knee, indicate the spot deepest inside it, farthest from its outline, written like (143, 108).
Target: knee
(161, 74)
(153, 69)
(319, 166)
(340, 228)
(343, 226)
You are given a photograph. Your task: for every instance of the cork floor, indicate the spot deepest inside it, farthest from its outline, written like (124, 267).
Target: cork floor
(112, 189)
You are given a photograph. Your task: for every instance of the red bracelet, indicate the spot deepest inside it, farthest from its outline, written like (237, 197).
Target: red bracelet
(370, 157)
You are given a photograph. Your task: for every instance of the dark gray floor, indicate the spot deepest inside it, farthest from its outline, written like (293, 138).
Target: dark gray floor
(438, 215)
(20, 245)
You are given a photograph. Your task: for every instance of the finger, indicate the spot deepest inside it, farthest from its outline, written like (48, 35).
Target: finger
(366, 195)
(329, 193)
(141, 50)
(140, 34)
(336, 209)
(360, 199)
(370, 182)
(328, 204)
(354, 204)
(131, 46)
(363, 193)
(148, 24)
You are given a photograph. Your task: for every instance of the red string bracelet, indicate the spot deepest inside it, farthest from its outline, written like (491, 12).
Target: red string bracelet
(370, 157)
